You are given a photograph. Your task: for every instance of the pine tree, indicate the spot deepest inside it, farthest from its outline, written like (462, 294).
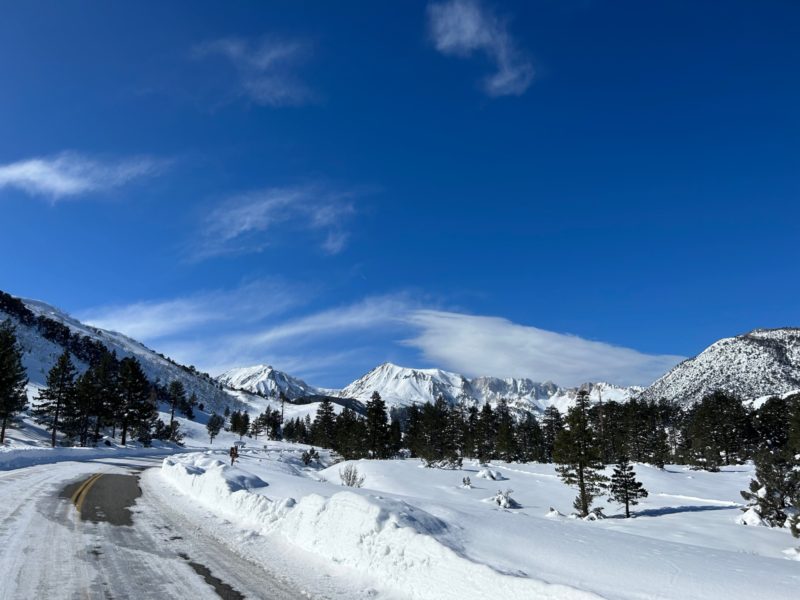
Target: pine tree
(506, 444)
(773, 486)
(107, 402)
(350, 432)
(177, 398)
(771, 425)
(486, 434)
(793, 429)
(80, 408)
(578, 456)
(12, 377)
(552, 425)
(718, 431)
(324, 428)
(529, 439)
(377, 427)
(136, 406)
(214, 426)
(624, 488)
(187, 408)
(58, 393)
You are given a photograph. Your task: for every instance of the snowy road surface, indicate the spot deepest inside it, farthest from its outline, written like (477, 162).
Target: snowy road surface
(83, 530)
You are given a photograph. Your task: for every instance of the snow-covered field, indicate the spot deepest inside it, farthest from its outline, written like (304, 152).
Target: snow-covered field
(413, 532)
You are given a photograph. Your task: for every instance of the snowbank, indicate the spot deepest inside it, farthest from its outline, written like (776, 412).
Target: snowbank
(26, 456)
(389, 539)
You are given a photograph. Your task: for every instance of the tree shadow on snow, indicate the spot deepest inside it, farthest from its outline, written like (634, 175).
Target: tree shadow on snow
(671, 510)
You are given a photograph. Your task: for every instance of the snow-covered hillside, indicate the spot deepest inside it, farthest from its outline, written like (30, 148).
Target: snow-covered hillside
(760, 363)
(44, 331)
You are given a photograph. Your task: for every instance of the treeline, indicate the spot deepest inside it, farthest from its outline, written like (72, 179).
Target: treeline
(111, 394)
(351, 435)
(719, 430)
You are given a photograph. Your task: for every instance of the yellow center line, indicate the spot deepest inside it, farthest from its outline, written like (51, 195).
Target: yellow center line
(80, 494)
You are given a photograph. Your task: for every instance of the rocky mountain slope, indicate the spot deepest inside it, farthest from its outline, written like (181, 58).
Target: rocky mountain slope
(760, 363)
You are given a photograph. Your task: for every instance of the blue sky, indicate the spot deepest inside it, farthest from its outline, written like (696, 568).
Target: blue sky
(565, 190)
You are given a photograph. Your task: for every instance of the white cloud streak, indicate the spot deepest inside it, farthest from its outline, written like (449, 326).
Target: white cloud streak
(71, 174)
(153, 320)
(246, 223)
(479, 345)
(462, 28)
(219, 330)
(265, 68)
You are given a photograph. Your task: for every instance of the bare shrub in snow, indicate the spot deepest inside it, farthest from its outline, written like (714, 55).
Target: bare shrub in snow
(350, 476)
(466, 483)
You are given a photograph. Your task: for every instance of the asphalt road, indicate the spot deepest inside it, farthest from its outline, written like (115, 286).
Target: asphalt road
(84, 530)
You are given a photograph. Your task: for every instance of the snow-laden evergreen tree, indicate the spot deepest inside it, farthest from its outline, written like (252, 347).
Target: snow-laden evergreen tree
(774, 486)
(578, 456)
(624, 488)
(771, 425)
(12, 377)
(214, 426)
(378, 444)
(324, 428)
(57, 395)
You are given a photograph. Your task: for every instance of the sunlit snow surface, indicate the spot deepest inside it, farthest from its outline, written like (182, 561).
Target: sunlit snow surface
(418, 533)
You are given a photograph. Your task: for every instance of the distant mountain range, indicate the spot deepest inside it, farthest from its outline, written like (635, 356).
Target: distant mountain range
(756, 364)
(401, 386)
(760, 363)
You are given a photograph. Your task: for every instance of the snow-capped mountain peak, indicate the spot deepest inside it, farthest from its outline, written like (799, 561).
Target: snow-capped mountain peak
(264, 380)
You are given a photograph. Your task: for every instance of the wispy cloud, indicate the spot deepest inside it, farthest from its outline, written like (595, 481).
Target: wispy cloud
(157, 319)
(464, 27)
(265, 69)
(264, 322)
(71, 174)
(481, 345)
(249, 222)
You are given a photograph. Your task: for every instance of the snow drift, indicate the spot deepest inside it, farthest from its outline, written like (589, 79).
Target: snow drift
(393, 541)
